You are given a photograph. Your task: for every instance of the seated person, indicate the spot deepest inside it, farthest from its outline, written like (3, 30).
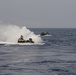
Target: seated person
(21, 39)
(30, 40)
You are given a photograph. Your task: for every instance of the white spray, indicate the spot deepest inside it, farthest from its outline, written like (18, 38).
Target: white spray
(11, 33)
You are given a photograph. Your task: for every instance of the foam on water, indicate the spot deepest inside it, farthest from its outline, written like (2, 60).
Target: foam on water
(10, 34)
(47, 35)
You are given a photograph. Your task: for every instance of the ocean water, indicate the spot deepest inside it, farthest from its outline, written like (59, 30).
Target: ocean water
(56, 57)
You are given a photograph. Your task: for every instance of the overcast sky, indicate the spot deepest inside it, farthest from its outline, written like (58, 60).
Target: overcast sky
(39, 13)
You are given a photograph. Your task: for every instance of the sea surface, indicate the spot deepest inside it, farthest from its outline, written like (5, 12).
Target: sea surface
(56, 57)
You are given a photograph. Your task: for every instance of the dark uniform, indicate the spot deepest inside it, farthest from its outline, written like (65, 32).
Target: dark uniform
(21, 40)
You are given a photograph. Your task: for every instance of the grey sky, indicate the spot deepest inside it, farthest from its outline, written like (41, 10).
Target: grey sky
(39, 13)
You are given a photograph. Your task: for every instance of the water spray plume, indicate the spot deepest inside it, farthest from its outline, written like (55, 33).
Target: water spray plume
(11, 33)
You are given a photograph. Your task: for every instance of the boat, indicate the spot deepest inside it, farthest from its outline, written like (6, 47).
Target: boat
(43, 33)
(21, 40)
